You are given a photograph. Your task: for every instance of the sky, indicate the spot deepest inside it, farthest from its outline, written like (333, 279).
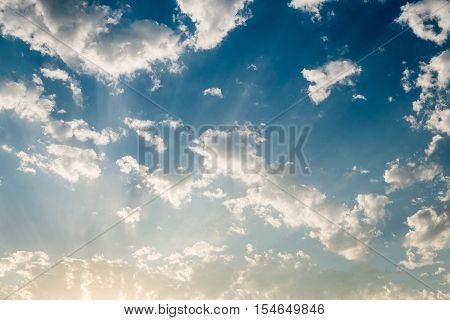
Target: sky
(93, 95)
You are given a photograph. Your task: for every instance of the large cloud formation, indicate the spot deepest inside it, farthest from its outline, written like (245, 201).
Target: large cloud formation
(109, 46)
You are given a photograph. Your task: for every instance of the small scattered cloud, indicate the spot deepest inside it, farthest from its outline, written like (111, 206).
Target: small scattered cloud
(358, 96)
(327, 76)
(215, 92)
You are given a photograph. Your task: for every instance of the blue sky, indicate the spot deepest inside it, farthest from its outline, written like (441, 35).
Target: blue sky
(81, 82)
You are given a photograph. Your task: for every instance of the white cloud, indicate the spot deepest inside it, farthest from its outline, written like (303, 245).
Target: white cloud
(23, 263)
(72, 84)
(80, 130)
(69, 163)
(203, 250)
(439, 121)
(355, 168)
(310, 6)
(431, 107)
(406, 79)
(214, 19)
(160, 183)
(421, 16)
(402, 176)
(358, 97)
(433, 144)
(131, 215)
(429, 232)
(215, 92)
(433, 81)
(26, 100)
(146, 254)
(217, 194)
(118, 47)
(373, 206)
(327, 76)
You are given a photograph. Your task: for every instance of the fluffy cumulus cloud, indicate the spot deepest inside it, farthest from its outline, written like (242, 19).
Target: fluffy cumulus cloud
(399, 176)
(72, 84)
(429, 233)
(373, 206)
(422, 16)
(327, 76)
(310, 6)
(69, 163)
(215, 92)
(213, 19)
(113, 46)
(152, 275)
(26, 100)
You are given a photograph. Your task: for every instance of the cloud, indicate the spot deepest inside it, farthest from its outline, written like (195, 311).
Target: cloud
(69, 163)
(152, 275)
(131, 215)
(26, 100)
(24, 263)
(431, 108)
(373, 206)
(213, 19)
(355, 168)
(402, 176)
(327, 76)
(421, 17)
(433, 144)
(118, 47)
(215, 92)
(159, 182)
(429, 232)
(79, 130)
(310, 6)
(73, 85)
(406, 79)
(217, 194)
(141, 127)
(358, 97)
(203, 250)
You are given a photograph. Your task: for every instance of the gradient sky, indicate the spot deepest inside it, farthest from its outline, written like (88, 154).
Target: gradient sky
(80, 81)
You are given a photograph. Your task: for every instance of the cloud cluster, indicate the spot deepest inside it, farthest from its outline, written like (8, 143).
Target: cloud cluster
(326, 77)
(153, 275)
(400, 176)
(28, 102)
(72, 84)
(422, 15)
(213, 19)
(429, 232)
(431, 108)
(310, 6)
(69, 163)
(301, 206)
